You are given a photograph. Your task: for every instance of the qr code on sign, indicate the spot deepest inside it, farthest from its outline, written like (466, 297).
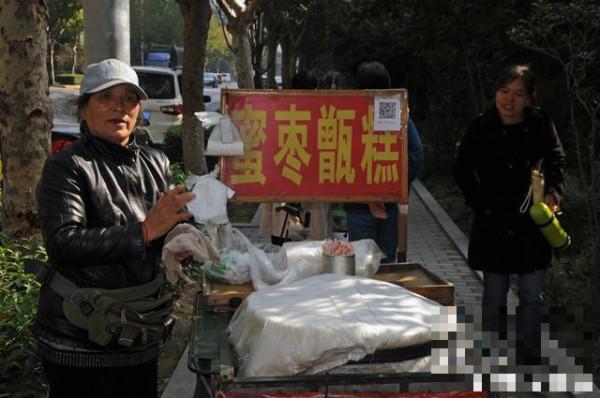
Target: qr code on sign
(387, 110)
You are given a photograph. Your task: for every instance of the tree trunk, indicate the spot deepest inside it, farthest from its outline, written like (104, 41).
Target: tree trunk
(272, 63)
(258, 68)
(288, 62)
(52, 74)
(257, 45)
(240, 42)
(74, 58)
(196, 21)
(25, 113)
(106, 30)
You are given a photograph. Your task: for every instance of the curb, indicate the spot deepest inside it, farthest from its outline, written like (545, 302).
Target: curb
(182, 382)
(457, 237)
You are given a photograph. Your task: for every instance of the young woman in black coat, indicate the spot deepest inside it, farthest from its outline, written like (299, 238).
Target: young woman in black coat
(493, 170)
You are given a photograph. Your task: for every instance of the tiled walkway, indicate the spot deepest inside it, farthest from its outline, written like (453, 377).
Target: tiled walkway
(429, 245)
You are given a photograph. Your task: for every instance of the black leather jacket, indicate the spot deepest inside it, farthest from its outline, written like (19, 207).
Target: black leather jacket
(93, 196)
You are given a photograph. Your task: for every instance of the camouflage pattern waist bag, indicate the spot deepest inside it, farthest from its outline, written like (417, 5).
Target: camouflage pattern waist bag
(129, 317)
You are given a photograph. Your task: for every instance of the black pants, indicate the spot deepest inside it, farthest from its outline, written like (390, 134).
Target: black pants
(117, 382)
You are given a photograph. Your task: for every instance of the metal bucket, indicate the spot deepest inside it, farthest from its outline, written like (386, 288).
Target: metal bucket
(344, 265)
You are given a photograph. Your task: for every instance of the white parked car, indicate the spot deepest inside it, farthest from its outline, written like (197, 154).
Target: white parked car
(212, 99)
(65, 124)
(165, 103)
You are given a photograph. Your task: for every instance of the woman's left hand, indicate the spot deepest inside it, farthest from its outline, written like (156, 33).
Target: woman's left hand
(167, 212)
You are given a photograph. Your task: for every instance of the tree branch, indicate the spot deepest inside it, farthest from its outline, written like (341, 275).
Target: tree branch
(231, 9)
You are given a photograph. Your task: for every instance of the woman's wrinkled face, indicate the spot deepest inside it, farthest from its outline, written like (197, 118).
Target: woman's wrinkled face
(111, 114)
(511, 100)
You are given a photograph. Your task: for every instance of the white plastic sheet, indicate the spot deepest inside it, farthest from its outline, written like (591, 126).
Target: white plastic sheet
(294, 261)
(324, 321)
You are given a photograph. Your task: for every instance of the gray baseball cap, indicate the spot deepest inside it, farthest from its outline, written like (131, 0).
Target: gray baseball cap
(108, 73)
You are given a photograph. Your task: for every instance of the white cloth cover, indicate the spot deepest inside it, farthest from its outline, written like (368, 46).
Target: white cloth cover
(322, 322)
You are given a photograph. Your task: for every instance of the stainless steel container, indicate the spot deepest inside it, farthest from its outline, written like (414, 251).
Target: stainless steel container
(344, 265)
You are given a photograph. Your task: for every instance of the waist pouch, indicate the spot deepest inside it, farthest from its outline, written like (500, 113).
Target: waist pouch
(128, 317)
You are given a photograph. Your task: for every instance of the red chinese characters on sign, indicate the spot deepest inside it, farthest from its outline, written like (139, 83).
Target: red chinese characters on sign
(314, 146)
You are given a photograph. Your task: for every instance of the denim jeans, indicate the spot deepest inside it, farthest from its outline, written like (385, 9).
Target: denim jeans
(362, 225)
(530, 310)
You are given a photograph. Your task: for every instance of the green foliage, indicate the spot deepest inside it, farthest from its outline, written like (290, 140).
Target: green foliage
(172, 143)
(65, 29)
(219, 56)
(19, 368)
(444, 52)
(69, 78)
(75, 26)
(179, 174)
(154, 22)
(571, 281)
(63, 13)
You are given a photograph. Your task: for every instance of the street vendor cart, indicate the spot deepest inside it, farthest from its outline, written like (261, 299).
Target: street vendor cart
(212, 360)
(303, 146)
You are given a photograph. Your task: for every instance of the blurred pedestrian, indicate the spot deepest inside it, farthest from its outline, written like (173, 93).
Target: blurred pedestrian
(496, 157)
(378, 220)
(331, 81)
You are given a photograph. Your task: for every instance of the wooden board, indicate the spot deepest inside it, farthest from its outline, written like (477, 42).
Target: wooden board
(219, 296)
(417, 279)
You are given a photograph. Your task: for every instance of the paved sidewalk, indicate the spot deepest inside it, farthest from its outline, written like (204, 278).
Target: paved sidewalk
(430, 245)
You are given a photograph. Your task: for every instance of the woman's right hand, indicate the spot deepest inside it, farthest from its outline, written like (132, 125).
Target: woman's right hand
(552, 203)
(378, 210)
(167, 212)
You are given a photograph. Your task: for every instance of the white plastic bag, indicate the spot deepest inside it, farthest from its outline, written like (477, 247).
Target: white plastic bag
(294, 261)
(368, 257)
(210, 205)
(304, 259)
(225, 139)
(301, 260)
(185, 238)
(232, 268)
(244, 261)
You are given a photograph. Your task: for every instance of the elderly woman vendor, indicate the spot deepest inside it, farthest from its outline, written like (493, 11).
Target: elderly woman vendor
(105, 205)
